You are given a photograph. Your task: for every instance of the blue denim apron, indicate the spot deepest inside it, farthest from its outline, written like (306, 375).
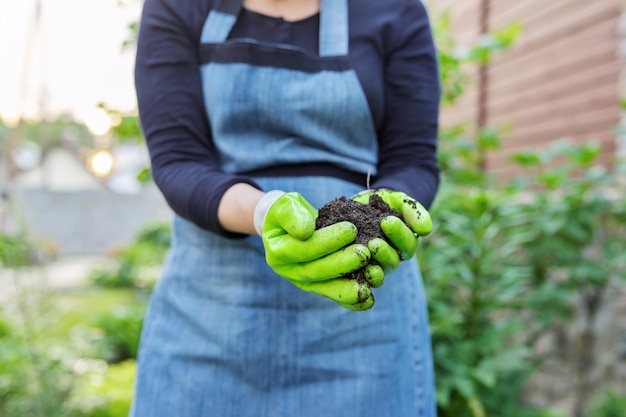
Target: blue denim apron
(224, 335)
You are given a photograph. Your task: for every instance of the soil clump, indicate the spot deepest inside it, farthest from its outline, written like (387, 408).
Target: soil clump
(366, 218)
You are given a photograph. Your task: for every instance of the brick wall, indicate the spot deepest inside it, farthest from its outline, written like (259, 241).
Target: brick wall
(622, 80)
(560, 80)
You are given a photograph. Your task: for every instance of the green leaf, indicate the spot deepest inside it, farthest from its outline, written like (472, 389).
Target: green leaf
(507, 36)
(465, 386)
(527, 158)
(584, 154)
(144, 176)
(489, 139)
(485, 375)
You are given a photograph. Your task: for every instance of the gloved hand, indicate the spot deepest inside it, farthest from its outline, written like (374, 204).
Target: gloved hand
(404, 239)
(313, 260)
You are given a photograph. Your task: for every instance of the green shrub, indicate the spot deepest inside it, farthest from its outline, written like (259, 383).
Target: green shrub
(507, 261)
(14, 251)
(609, 404)
(574, 225)
(104, 391)
(47, 340)
(137, 265)
(34, 379)
(474, 287)
(120, 333)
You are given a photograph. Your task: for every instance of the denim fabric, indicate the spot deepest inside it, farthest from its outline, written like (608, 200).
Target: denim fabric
(225, 336)
(281, 124)
(217, 26)
(263, 116)
(334, 28)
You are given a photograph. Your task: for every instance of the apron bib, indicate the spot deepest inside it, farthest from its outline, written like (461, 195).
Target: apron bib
(224, 335)
(274, 105)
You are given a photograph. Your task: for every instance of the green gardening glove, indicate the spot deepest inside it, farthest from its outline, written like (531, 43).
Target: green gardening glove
(403, 239)
(313, 260)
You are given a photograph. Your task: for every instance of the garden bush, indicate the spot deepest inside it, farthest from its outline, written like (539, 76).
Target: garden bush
(608, 404)
(103, 391)
(138, 264)
(34, 378)
(14, 251)
(120, 330)
(49, 337)
(508, 260)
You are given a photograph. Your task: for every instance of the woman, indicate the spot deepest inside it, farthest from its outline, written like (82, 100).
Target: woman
(256, 112)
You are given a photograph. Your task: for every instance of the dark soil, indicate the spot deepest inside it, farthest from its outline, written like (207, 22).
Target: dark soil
(366, 218)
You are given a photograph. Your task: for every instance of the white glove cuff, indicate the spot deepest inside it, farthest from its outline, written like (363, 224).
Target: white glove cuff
(264, 204)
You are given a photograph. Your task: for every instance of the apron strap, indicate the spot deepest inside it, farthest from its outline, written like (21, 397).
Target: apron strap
(334, 28)
(220, 21)
(333, 36)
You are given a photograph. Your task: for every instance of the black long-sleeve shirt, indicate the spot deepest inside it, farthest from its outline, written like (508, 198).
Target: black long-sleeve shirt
(391, 50)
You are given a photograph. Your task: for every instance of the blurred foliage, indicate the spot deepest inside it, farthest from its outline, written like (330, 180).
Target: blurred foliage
(69, 359)
(34, 377)
(608, 404)
(14, 250)
(18, 248)
(104, 391)
(82, 307)
(26, 145)
(48, 132)
(120, 331)
(4, 130)
(126, 128)
(133, 27)
(50, 335)
(131, 41)
(508, 260)
(456, 62)
(138, 264)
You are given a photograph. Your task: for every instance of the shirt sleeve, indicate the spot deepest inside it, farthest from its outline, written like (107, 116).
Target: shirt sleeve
(408, 137)
(168, 84)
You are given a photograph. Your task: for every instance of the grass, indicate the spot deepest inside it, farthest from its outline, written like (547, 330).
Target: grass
(82, 306)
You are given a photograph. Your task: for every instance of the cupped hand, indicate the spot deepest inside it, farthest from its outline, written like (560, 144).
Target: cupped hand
(313, 260)
(402, 231)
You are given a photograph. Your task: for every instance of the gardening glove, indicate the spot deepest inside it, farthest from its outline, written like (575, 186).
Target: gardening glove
(403, 239)
(313, 260)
